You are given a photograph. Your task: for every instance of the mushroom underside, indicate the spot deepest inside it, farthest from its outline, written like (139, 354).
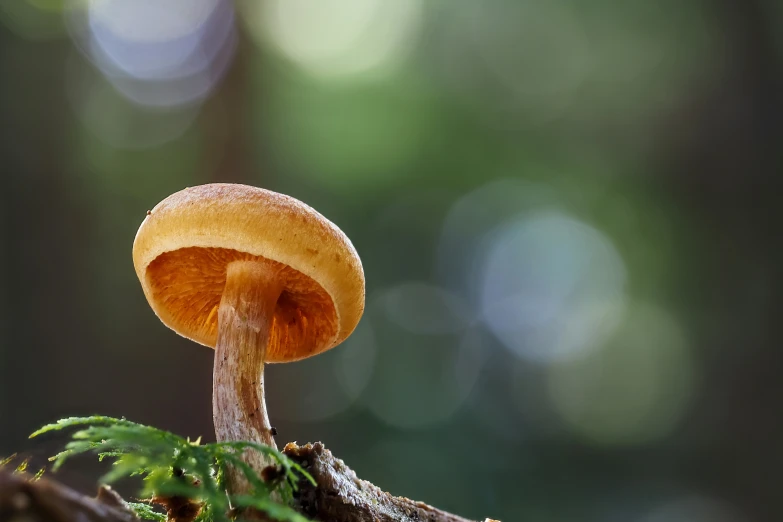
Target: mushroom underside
(187, 285)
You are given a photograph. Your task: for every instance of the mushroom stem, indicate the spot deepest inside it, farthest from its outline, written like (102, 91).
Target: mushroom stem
(244, 323)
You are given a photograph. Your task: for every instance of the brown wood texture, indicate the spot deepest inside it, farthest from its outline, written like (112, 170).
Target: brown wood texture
(22, 500)
(339, 496)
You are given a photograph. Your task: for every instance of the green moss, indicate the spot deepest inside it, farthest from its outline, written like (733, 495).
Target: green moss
(172, 466)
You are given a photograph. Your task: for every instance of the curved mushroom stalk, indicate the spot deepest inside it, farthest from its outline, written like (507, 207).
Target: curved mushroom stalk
(245, 319)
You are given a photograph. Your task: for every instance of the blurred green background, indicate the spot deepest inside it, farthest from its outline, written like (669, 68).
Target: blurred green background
(568, 214)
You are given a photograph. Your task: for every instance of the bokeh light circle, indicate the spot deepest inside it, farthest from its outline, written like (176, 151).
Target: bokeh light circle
(114, 120)
(158, 54)
(635, 389)
(471, 217)
(150, 21)
(552, 286)
(337, 38)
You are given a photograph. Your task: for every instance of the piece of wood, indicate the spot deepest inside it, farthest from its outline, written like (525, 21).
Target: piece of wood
(339, 496)
(24, 500)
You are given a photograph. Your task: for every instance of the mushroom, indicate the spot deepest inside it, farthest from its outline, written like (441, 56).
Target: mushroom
(258, 276)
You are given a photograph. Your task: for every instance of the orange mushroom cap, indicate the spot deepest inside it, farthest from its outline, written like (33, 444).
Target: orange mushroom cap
(184, 245)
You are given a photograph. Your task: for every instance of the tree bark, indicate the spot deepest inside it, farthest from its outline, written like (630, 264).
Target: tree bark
(339, 496)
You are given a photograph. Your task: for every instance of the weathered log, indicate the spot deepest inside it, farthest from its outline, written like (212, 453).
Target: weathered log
(339, 496)
(24, 500)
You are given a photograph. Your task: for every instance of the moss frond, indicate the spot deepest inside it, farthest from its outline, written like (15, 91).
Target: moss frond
(173, 466)
(22, 466)
(145, 511)
(7, 460)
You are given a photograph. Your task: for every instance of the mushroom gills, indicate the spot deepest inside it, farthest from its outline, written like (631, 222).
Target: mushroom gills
(188, 284)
